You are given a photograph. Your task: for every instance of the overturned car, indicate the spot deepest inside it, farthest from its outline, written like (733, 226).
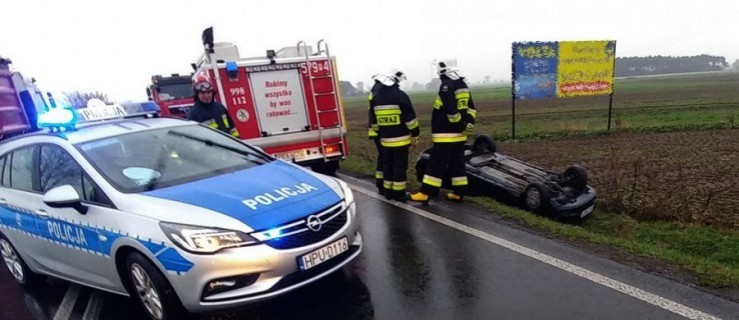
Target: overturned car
(561, 195)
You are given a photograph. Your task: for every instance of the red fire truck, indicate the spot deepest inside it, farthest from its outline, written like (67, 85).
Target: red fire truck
(172, 93)
(287, 102)
(20, 102)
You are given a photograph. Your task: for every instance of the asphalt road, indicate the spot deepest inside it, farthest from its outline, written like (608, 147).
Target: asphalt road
(438, 261)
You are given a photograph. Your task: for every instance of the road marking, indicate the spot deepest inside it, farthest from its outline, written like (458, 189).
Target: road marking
(94, 306)
(637, 293)
(68, 302)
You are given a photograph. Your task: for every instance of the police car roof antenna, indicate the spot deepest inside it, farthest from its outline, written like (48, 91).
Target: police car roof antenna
(208, 46)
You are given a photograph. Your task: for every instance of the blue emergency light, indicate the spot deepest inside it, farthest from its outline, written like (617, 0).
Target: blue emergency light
(231, 66)
(274, 233)
(57, 118)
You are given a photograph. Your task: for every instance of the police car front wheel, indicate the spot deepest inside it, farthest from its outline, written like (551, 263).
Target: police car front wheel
(152, 290)
(17, 267)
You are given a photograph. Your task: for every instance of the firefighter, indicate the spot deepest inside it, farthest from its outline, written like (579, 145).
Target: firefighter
(374, 136)
(452, 118)
(391, 115)
(206, 110)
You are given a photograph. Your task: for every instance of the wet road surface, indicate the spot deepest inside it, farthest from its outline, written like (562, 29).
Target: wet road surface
(457, 266)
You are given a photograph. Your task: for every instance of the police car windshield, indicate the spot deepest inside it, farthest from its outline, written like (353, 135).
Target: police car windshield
(157, 158)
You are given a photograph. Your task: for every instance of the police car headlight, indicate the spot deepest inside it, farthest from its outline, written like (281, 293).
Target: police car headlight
(204, 240)
(348, 195)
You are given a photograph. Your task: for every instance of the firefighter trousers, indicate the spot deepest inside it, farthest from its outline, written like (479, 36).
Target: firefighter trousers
(379, 168)
(395, 166)
(446, 161)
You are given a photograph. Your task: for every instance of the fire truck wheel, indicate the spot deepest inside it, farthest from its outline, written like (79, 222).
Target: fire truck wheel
(327, 168)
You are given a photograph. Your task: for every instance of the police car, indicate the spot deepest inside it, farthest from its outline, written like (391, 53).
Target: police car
(180, 216)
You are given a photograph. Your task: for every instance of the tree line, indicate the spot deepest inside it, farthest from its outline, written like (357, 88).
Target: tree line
(637, 66)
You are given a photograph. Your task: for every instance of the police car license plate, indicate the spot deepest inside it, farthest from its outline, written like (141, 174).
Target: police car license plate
(587, 211)
(289, 156)
(323, 254)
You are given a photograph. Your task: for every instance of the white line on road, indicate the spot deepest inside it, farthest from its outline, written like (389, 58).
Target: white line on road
(645, 296)
(68, 302)
(94, 306)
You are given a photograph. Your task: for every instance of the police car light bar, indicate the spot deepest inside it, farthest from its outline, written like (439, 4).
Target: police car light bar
(67, 118)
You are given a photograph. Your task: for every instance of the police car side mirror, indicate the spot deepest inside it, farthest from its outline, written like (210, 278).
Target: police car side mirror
(64, 197)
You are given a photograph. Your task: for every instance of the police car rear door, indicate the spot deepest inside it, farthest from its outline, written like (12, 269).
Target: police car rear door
(19, 199)
(76, 242)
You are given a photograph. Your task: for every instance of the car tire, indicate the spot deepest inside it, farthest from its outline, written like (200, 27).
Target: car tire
(421, 166)
(327, 168)
(536, 197)
(148, 286)
(15, 264)
(484, 143)
(576, 178)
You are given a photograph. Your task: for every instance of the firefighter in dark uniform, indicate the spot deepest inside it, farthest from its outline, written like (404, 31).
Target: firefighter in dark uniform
(206, 110)
(374, 136)
(452, 118)
(391, 115)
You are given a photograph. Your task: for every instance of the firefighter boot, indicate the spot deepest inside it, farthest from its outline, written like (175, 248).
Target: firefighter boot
(454, 197)
(400, 195)
(419, 197)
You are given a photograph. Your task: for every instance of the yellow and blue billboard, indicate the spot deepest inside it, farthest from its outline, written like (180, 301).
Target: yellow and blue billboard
(563, 69)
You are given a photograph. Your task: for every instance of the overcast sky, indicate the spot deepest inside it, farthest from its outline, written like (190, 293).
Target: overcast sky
(115, 46)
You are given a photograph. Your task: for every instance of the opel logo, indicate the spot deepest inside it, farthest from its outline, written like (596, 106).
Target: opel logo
(314, 223)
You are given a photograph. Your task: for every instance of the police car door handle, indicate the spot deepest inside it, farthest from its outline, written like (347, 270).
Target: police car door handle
(42, 213)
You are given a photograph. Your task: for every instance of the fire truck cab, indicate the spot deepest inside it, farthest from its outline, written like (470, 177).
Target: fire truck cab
(286, 102)
(173, 94)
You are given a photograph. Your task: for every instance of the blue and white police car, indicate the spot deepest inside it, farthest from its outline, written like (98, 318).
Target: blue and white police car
(175, 214)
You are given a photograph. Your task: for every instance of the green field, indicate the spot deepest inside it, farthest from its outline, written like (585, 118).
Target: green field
(667, 174)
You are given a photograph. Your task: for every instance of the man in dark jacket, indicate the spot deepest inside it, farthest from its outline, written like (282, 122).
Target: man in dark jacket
(391, 114)
(452, 118)
(207, 111)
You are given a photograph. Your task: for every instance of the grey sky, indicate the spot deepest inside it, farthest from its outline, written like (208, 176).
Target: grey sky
(115, 46)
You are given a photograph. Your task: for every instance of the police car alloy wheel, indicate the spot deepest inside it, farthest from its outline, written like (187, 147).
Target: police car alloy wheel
(151, 289)
(15, 263)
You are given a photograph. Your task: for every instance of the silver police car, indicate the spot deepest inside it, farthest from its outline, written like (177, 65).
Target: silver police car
(175, 214)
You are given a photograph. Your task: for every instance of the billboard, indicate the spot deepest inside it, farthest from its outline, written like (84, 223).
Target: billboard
(563, 69)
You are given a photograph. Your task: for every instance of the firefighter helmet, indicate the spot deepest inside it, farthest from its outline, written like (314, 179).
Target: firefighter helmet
(201, 82)
(398, 76)
(394, 77)
(444, 69)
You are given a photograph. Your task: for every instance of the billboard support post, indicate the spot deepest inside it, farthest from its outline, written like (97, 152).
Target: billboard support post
(513, 93)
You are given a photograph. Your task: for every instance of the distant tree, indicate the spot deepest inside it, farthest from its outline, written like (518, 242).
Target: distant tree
(79, 99)
(635, 66)
(347, 89)
(417, 86)
(735, 65)
(433, 85)
(360, 88)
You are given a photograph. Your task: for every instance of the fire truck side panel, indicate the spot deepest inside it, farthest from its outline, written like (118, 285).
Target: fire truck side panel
(323, 87)
(13, 117)
(239, 102)
(279, 101)
(275, 83)
(337, 87)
